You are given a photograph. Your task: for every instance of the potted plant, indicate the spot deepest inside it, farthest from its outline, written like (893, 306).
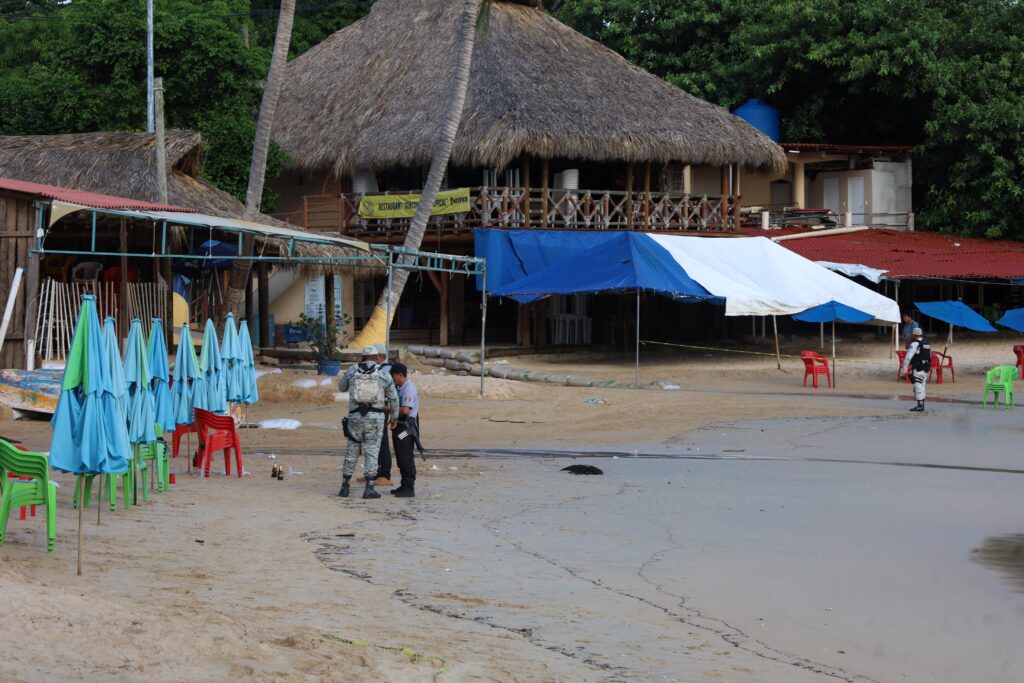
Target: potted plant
(325, 342)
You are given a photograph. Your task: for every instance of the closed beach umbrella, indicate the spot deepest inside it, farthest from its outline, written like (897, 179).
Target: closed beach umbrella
(250, 392)
(231, 355)
(119, 387)
(89, 431)
(211, 367)
(186, 371)
(160, 373)
(139, 412)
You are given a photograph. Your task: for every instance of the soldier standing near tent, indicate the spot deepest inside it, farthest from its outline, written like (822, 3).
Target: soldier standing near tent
(919, 360)
(370, 393)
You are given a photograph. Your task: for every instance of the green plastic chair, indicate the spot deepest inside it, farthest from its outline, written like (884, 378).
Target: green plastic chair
(999, 380)
(127, 486)
(156, 453)
(39, 491)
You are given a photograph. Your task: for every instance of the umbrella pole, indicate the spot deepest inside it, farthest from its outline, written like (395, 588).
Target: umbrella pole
(638, 338)
(188, 448)
(821, 330)
(778, 354)
(833, 353)
(99, 499)
(81, 504)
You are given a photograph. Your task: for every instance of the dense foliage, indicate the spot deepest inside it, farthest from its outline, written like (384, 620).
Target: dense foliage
(944, 75)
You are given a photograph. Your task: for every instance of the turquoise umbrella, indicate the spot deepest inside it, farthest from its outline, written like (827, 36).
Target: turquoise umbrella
(119, 387)
(186, 373)
(211, 367)
(160, 384)
(250, 392)
(232, 356)
(89, 432)
(140, 412)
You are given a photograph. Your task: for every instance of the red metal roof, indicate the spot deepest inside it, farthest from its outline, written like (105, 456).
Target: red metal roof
(915, 254)
(90, 199)
(844, 149)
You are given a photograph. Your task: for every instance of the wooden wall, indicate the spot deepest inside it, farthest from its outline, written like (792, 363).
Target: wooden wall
(17, 227)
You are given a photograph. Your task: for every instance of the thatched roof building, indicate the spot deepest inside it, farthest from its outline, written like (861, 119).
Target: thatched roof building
(123, 164)
(373, 94)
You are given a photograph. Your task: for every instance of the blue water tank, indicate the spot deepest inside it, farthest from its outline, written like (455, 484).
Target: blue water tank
(762, 116)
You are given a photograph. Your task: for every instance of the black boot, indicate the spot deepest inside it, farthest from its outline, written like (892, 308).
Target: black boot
(368, 492)
(405, 491)
(343, 493)
(919, 408)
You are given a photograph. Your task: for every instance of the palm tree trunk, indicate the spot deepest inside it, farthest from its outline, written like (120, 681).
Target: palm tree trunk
(240, 268)
(375, 330)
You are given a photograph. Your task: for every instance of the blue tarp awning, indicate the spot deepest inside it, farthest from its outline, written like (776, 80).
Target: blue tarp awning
(955, 313)
(833, 310)
(1014, 319)
(622, 262)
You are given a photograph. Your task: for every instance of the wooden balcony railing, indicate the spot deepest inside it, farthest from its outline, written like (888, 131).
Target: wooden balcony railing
(526, 208)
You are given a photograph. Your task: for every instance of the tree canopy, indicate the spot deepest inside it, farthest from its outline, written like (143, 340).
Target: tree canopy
(946, 76)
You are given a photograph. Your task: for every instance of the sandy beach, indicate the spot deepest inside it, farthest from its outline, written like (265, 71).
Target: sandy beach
(745, 529)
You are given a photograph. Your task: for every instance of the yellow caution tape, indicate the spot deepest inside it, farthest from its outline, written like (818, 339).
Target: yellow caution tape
(754, 353)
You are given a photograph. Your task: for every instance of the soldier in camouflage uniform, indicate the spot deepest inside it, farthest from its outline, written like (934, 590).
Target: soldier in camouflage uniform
(369, 392)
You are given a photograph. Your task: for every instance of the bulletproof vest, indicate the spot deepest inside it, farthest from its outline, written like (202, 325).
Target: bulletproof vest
(367, 387)
(922, 361)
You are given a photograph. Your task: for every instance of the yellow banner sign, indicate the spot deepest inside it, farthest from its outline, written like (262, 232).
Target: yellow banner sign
(404, 205)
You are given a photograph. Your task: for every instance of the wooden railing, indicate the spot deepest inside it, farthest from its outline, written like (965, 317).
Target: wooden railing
(526, 208)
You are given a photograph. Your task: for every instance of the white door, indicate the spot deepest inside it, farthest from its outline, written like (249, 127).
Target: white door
(831, 189)
(855, 198)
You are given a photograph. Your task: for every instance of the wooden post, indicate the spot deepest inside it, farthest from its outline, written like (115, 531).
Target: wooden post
(524, 180)
(724, 207)
(544, 194)
(736, 197)
(647, 195)
(329, 320)
(249, 304)
(161, 148)
(122, 297)
(629, 196)
(687, 179)
(264, 304)
(440, 282)
(31, 308)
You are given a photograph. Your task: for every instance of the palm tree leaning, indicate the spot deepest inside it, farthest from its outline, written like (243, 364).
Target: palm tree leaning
(239, 280)
(375, 331)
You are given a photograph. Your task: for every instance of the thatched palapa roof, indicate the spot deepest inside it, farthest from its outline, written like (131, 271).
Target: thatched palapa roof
(373, 95)
(123, 164)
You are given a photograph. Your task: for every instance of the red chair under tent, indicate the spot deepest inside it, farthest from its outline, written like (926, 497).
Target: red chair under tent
(815, 364)
(942, 362)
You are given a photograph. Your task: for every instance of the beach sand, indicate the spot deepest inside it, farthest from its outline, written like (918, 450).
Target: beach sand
(789, 535)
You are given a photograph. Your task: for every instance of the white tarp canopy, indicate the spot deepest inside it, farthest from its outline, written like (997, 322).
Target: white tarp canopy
(756, 276)
(855, 270)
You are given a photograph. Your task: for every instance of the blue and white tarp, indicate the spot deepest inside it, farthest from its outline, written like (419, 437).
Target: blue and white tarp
(751, 275)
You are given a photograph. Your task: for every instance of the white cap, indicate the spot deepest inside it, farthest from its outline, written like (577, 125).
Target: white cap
(381, 349)
(917, 332)
(369, 351)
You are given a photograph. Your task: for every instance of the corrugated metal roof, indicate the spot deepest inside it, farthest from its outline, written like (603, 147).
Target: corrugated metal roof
(89, 199)
(916, 254)
(844, 149)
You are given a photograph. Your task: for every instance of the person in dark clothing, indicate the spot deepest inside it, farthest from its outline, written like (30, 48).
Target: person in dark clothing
(404, 434)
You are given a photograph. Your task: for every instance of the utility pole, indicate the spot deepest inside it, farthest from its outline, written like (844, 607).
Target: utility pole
(150, 104)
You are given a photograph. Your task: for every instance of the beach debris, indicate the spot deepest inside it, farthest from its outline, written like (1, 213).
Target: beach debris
(582, 469)
(435, 467)
(274, 471)
(280, 423)
(305, 383)
(454, 469)
(199, 540)
(326, 382)
(671, 387)
(267, 371)
(594, 401)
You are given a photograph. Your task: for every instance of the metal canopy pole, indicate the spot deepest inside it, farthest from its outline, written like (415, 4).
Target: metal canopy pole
(387, 330)
(483, 329)
(833, 353)
(637, 383)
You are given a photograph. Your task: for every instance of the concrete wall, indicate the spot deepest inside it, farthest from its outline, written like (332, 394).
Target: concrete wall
(891, 192)
(290, 304)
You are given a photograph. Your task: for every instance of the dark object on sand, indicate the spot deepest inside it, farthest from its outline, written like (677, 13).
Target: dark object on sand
(582, 469)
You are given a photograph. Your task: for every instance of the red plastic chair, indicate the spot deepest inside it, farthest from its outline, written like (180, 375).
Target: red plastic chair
(217, 433)
(1018, 351)
(815, 364)
(941, 362)
(902, 356)
(180, 431)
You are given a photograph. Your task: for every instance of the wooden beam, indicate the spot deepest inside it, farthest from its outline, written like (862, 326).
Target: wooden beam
(629, 196)
(122, 296)
(544, 194)
(647, 194)
(32, 304)
(736, 197)
(264, 304)
(524, 181)
(724, 209)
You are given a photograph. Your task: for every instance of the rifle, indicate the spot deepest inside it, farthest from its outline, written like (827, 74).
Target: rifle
(412, 426)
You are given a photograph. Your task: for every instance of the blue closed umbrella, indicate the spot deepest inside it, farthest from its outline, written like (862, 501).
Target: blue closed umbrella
(119, 387)
(211, 368)
(139, 412)
(1013, 319)
(232, 356)
(160, 384)
(250, 392)
(186, 372)
(832, 311)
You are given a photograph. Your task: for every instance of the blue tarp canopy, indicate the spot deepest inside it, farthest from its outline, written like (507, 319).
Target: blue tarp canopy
(622, 262)
(831, 311)
(1014, 319)
(513, 254)
(955, 313)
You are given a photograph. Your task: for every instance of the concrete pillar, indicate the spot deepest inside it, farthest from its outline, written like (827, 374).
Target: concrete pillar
(799, 185)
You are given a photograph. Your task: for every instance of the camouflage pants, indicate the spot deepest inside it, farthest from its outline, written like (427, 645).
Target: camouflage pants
(369, 430)
(919, 378)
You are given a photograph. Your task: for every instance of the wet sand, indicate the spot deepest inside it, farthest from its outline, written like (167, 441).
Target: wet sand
(754, 554)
